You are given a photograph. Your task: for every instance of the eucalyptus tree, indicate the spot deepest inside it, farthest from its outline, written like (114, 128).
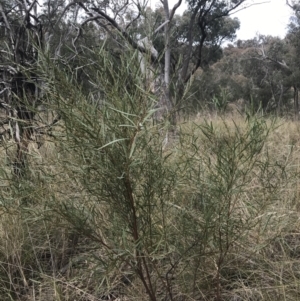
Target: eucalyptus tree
(206, 24)
(293, 57)
(294, 5)
(282, 56)
(182, 58)
(271, 64)
(21, 37)
(28, 29)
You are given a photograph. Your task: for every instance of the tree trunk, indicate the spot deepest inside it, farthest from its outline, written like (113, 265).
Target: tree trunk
(296, 103)
(279, 106)
(24, 94)
(167, 97)
(169, 105)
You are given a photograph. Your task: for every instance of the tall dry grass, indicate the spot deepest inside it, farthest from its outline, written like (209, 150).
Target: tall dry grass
(45, 257)
(106, 212)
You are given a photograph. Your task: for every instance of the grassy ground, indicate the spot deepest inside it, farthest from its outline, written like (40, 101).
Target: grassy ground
(222, 225)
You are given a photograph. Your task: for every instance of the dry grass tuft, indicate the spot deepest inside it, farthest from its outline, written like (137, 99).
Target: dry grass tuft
(43, 256)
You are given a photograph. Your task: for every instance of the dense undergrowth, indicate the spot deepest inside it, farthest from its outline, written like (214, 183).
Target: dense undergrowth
(108, 211)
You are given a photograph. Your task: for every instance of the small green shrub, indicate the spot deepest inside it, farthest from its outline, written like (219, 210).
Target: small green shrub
(108, 212)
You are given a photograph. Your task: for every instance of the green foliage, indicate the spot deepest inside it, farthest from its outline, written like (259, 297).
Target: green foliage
(218, 214)
(112, 209)
(118, 163)
(170, 218)
(221, 101)
(108, 208)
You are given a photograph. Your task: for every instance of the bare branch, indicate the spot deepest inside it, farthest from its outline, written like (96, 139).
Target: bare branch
(9, 69)
(5, 105)
(131, 22)
(121, 8)
(133, 43)
(32, 5)
(5, 89)
(249, 5)
(108, 18)
(281, 64)
(161, 26)
(81, 25)
(290, 5)
(7, 24)
(174, 9)
(17, 133)
(65, 10)
(2, 123)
